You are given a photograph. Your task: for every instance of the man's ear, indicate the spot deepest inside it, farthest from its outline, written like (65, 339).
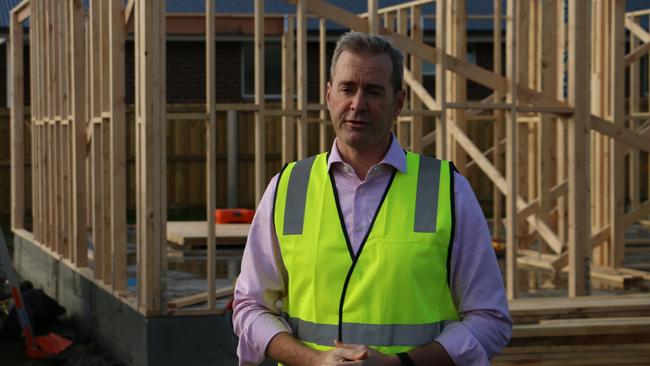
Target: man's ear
(400, 96)
(328, 91)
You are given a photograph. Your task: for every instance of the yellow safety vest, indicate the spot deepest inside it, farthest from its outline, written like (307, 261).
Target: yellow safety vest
(393, 295)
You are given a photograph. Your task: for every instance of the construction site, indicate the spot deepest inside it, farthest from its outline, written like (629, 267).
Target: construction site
(137, 133)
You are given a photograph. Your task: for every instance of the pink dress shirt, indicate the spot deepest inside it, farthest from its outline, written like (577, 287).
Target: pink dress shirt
(476, 283)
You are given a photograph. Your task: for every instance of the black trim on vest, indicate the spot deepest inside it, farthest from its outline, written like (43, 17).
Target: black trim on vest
(338, 209)
(275, 195)
(355, 258)
(452, 193)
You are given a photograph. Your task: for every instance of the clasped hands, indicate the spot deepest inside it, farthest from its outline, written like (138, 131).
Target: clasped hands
(355, 355)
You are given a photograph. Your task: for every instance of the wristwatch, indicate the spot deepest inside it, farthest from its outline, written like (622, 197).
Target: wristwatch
(405, 359)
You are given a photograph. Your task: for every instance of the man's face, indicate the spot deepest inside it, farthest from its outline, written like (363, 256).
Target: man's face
(361, 100)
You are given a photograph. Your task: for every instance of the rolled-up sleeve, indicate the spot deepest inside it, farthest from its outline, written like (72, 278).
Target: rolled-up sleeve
(476, 285)
(260, 286)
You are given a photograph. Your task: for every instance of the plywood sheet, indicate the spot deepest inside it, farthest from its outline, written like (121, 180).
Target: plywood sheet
(194, 233)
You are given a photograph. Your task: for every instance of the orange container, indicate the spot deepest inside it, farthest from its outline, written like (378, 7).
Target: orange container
(233, 215)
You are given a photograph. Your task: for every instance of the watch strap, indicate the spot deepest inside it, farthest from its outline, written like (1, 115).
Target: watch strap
(405, 359)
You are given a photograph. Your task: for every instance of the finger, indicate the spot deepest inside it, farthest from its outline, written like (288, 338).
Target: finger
(352, 363)
(358, 347)
(351, 354)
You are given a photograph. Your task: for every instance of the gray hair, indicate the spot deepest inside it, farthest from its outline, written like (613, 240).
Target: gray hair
(358, 42)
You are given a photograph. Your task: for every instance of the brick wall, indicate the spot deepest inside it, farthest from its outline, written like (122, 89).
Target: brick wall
(186, 72)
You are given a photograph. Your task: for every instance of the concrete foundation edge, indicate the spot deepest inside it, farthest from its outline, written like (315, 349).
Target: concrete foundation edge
(127, 334)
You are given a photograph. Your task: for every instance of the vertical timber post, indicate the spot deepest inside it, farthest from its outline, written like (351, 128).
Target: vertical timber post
(578, 147)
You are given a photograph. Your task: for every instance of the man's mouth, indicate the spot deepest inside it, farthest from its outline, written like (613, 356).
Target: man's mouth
(355, 123)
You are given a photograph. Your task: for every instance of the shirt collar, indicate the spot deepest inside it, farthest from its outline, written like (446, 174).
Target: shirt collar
(395, 156)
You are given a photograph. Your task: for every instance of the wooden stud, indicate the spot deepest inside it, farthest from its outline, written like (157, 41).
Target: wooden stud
(616, 180)
(78, 98)
(457, 84)
(301, 75)
(288, 122)
(233, 171)
(106, 170)
(373, 18)
(260, 128)
(17, 122)
(211, 136)
(151, 155)
(578, 196)
(441, 81)
(117, 145)
(416, 131)
(322, 82)
(634, 107)
(402, 23)
(512, 224)
(497, 50)
(548, 72)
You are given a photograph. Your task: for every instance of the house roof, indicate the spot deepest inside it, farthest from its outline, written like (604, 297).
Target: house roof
(483, 7)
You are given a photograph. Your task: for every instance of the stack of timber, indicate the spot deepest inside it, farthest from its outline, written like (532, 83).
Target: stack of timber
(612, 330)
(618, 278)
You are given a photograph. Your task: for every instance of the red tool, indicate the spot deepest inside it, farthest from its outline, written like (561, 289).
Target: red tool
(36, 347)
(233, 215)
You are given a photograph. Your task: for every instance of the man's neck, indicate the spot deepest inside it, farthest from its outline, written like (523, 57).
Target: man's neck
(362, 160)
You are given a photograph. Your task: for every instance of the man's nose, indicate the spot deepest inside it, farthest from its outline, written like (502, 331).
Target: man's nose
(358, 101)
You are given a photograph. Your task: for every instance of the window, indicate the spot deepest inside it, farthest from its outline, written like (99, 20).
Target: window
(272, 69)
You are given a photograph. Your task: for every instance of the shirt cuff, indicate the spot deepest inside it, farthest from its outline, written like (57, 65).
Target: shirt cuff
(252, 346)
(462, 346)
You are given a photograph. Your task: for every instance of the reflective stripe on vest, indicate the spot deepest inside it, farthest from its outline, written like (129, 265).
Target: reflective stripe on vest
(393, 294)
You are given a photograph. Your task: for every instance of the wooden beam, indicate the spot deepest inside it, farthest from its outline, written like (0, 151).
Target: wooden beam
(419, 91)
(636, 29)
(322, 82)
(634, 170)
(17, 119)
(511, 185)
(78, 98)
(548, 83)
(637, 214)
(637, 53)
(470, 71)
(200, 298)
(151, 154)
(579, 98)
(502, 184)
(211, 143)
(288, 83)
(402, 6)
(373, 18)
(301, 75)
(416, 75)
(497, 161)
(260, 128)
(441, 130)
(617, 157)
(128, 13)
(118, 145)
(22, 11)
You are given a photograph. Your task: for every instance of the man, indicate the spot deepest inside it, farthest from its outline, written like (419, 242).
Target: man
(369, 255)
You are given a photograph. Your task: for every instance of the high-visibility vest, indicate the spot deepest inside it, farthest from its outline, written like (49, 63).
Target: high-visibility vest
(393, 295)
